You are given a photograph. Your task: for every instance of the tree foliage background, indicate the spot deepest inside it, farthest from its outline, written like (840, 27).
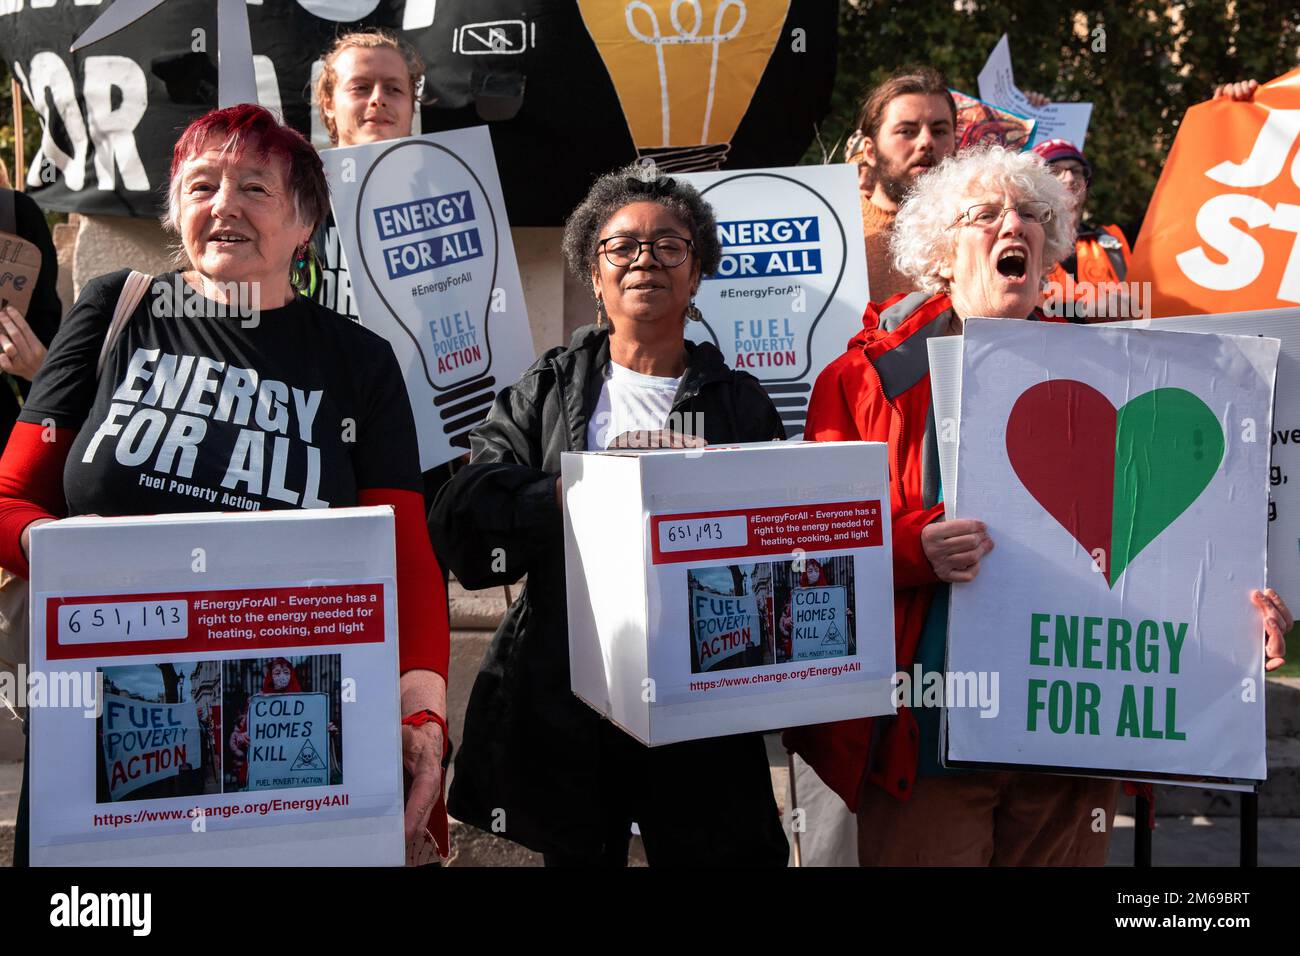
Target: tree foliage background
(1141, 63)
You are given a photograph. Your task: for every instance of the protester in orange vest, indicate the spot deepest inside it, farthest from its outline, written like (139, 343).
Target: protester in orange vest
(1089, 286)
(1086, 286)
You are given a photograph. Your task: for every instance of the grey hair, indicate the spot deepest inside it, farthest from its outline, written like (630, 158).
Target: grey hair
(632, 184)
(923, 242)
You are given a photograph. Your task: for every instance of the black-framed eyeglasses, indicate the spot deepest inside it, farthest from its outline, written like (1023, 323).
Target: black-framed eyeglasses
(1060, 169)
(986, 215)
(668, 251)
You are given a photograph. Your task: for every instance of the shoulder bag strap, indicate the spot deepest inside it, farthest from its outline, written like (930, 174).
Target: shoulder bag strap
(133, 290)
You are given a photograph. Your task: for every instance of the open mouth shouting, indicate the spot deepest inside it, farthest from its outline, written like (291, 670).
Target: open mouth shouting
(1012, 262)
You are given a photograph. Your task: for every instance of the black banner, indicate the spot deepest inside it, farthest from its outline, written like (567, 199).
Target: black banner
(528, 68)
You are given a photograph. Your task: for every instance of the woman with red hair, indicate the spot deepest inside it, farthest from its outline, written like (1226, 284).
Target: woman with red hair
(219, 387)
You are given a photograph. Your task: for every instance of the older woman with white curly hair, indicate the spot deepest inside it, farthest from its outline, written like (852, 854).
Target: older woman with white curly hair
(977, 236)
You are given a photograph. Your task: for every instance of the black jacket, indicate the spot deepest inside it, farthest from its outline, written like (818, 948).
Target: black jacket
(44, 312)
(534, 759)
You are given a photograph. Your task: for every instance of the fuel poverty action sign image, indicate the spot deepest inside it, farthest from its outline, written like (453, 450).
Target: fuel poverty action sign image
(423, 226)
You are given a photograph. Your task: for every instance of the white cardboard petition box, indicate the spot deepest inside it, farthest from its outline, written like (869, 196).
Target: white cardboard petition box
(731, 589)
(192, 744)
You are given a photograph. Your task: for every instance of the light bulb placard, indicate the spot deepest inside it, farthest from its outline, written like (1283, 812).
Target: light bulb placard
(423, 226)
(792, 284)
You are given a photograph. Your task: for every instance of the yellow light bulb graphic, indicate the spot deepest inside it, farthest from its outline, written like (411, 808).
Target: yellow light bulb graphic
(684, 70)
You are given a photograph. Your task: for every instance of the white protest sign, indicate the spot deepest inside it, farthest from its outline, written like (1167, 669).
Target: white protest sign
(288, 741)
(792, 285)
(723, 625)
(1128, 510)
(1284, 439)
(819, 621)
(145, 742)
(945, 396)
(1067, 121)
(226, 693)
(423, 225)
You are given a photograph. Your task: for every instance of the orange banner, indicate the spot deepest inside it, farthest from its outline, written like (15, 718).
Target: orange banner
(1222, 233)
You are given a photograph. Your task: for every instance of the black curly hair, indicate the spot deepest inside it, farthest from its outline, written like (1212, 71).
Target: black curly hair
(632, 184)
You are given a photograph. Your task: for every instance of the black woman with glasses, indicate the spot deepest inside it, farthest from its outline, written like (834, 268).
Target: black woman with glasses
(537, 765)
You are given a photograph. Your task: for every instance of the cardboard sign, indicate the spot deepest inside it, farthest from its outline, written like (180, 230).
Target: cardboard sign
(145, 742)
(288, 741)
(1127, 501)
(216, 686)
(793, 281)
(1221, 233)
(424, 231)
(729, 590)
(20, 265)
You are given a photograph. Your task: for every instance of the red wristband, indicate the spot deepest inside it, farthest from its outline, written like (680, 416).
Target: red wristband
(426, 716)
(422, 717)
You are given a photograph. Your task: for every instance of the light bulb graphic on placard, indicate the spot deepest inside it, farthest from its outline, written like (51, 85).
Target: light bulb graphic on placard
(430, 244)
(792, 283)
(684, 70)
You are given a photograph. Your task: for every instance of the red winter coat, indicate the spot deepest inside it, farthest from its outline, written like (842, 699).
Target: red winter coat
(879, 390)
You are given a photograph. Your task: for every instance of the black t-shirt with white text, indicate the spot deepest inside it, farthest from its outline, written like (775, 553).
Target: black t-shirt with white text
(202, 411)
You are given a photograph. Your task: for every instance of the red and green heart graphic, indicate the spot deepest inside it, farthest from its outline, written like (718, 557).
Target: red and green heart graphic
(1113, 479)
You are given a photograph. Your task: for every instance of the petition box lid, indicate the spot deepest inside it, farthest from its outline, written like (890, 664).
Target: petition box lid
(753, 446)
(211, 517)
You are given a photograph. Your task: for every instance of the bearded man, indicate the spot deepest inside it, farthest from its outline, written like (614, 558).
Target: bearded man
(907, 125)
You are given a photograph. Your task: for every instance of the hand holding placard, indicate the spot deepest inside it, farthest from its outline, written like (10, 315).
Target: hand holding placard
(1277, 622)
(954, 548)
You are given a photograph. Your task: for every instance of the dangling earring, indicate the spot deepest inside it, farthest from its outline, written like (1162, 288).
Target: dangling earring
(693, 313)
(300, 272)
(602, 317)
